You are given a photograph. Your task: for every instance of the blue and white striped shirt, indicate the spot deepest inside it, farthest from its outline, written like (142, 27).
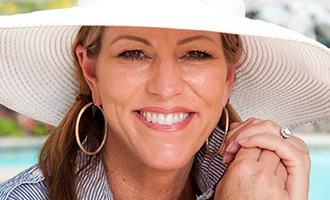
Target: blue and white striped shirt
(30, 184)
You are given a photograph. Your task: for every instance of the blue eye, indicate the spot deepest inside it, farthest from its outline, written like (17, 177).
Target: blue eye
(133, 55)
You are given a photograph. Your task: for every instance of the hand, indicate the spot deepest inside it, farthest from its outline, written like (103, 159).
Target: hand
(254, 174)
(256, 144)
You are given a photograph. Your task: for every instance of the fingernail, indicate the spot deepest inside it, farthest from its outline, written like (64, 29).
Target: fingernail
(224, 157)
(229, 146)
(242, 141)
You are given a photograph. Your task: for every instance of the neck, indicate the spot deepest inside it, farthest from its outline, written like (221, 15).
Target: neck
(134, 180)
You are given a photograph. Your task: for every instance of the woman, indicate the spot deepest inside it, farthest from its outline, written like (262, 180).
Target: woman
(141, 107)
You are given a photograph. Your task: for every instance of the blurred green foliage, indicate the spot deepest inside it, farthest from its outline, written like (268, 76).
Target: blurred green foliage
(11, 123)
(8, 7)
(9, 127)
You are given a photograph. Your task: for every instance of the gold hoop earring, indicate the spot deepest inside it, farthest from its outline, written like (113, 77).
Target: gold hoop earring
(224, 137)
(77, 131)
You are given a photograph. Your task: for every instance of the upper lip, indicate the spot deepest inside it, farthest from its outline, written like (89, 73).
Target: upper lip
(165, 111)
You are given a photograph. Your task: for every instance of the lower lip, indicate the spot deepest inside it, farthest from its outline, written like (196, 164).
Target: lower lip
(176, 127)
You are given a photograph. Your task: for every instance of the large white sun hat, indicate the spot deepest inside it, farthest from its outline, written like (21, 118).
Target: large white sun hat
(283, 75)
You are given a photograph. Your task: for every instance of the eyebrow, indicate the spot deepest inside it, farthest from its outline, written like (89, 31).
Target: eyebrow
(146, 42)
(130, 37)
(191, 39)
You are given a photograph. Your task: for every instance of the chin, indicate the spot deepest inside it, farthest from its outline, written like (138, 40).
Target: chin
(169, 160)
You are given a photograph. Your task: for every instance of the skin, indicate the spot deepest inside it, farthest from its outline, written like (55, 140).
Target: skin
(263, 161)
(167, 71)
(156, 71)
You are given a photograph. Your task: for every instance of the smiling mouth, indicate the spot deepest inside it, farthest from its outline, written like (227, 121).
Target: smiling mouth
(164, 119)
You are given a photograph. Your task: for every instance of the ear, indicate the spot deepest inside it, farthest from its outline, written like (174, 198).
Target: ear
(229, 82)
(88, 68)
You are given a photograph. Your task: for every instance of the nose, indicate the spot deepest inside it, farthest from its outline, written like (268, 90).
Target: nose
(166, 80)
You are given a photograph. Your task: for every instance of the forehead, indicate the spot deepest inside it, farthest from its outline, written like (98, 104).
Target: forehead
(157, 33)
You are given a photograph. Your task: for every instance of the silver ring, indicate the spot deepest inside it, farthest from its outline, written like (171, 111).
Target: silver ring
(286, 133)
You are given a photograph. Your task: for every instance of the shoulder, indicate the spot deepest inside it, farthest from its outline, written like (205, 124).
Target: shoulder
(29, 184)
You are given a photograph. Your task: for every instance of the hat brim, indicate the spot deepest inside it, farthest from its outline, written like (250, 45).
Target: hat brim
(284, 76)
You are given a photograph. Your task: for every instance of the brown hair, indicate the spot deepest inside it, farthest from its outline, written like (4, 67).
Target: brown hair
(233, 50)
(58, 155)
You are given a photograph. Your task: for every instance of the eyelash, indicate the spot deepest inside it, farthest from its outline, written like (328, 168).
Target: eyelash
(195, 55)
(128, 55)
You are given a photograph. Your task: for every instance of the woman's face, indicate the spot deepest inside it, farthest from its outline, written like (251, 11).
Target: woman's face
(162, 91)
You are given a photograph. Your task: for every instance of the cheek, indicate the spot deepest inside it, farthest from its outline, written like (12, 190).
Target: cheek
(118, 90)
(210, 85)
(118, 85)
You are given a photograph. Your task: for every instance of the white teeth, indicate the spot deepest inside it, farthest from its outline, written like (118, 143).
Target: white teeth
(148, 117)
(164, 119)
(176, 119)
(169, 120)
(160, 119)
(154, 118)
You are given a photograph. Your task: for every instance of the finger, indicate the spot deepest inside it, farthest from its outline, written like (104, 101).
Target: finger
(269, 159)
(253, 128)
(233, 125)
(289, 154)
(261, 127)
(236, 127)
(298, 143)
(281, 172)
(296, 161)
(229, 138)
(243, 153)
(228, 156)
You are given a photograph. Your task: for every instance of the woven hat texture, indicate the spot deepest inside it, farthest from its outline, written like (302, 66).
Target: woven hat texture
(283, 76)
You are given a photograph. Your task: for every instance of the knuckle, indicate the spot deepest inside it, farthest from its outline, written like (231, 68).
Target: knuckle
(257, 120)
(250, 119)
(276, 188)
(257, 176)
(245, 168)
(299, 140)
(253, 120)
(264, 176)
(269, 123)
(300, 144)
(306, 159)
